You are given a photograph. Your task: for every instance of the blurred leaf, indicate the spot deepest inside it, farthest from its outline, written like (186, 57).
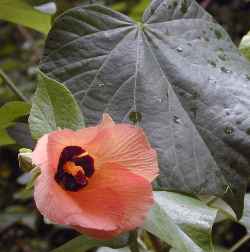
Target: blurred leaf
(21, 133)
(5, 139)
(24, 178)
(183, 222)
(21, 12)
(180, 70)
(83, 243)
(8, 114)
(35, 172)
(24, 194)
(245, 46)
(120, 6)
(53, 107)
(245, 220)
(14, 214)
(12, 111)
(137, 11)
(29, 178)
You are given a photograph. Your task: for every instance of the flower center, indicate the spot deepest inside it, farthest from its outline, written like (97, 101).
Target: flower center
(74, 168)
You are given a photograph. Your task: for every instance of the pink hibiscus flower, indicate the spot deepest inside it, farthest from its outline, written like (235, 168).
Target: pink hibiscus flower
(96, 180)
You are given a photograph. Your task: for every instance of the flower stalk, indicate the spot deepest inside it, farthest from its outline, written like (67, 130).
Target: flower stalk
(133, 243)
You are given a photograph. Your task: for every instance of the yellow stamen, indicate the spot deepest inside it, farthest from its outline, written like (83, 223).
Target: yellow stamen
(71, 168)
(83, 154)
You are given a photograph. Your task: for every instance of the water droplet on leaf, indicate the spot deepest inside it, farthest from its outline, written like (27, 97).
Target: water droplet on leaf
(100, 84)
(228, 130)
(160, 100)
(177, 120)
(212, 80)
(225, 70)
(179, 49)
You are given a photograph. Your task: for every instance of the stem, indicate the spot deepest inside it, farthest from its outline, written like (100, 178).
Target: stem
(243, 240)
(133, 244)
(12, 86)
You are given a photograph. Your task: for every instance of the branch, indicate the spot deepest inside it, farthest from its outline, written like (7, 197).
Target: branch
(12, 86)
(243, 240)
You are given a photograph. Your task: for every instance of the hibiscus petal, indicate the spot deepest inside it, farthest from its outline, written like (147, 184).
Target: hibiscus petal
(115, 201)
(127, 145)
(61, 206)
(39, 155)
(50, 146)
(107, 121)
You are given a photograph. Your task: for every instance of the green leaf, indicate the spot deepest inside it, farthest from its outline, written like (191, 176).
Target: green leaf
(107, 249)
(216, 249)
(180, 71)
(84, 243)
(21, 12)
(245, 46)
(5, 139)
(224, 210)
(14, 214)
(8, 114)
(137, 11)
(53, 107)
(183, 222)
(245, 220)
(35, 172)
(23, 194)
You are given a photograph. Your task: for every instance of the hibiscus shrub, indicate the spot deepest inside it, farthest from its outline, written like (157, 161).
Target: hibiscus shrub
(140, 130)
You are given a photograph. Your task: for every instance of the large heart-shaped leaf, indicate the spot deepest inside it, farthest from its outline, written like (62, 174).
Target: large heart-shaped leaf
(183, 222)
(179, 71)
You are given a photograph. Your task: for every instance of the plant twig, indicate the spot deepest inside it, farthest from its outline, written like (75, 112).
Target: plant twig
(133, 243)
(243, 240)
(12, 86)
